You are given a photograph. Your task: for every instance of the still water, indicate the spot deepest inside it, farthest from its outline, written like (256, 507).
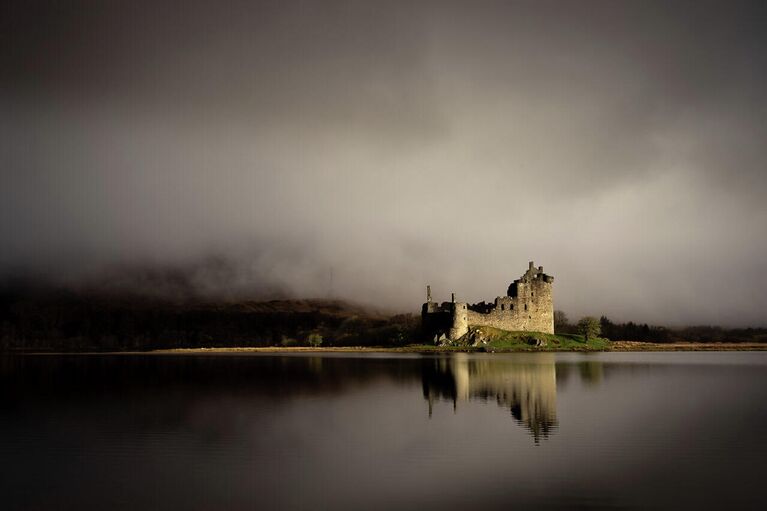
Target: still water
(375, 431)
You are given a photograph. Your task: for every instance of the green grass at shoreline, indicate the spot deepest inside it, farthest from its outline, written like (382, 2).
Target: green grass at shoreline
(493, 339)
(485, 339)
(553, 343)
(622, 346)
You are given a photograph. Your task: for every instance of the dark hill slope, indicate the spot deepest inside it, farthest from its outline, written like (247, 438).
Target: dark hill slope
(68, 320)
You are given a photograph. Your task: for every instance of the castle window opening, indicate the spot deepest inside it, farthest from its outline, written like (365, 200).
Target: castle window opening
(525, 306)
(503, 307)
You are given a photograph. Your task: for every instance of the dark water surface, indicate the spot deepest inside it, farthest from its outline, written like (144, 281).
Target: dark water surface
(349, 431)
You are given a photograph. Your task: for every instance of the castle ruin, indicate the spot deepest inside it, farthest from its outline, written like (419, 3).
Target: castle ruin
(527, 307)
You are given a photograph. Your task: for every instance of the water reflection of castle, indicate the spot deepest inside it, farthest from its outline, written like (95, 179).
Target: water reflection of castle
(526, 384)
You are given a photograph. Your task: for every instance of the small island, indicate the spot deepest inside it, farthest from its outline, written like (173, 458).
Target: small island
(520, 320)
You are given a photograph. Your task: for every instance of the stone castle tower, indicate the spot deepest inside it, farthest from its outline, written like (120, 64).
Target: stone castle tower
(528, 307)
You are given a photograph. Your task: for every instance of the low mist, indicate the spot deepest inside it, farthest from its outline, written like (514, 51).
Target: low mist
(361, 151)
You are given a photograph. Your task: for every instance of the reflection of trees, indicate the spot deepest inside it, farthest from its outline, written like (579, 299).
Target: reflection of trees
(591, 371)
(212, 395)
(526, 384)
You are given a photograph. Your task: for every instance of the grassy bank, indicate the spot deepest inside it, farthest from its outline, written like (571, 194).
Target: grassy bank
(493, 339)
(485, 340)
(523, 341)
(622, 346)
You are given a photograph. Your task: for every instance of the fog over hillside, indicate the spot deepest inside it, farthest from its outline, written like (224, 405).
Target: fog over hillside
(361, 150)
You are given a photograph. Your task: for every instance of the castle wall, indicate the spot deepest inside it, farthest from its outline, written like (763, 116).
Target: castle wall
(448, 317)
(436, 318)
(528, 307)
(460, 326)
(532, 310)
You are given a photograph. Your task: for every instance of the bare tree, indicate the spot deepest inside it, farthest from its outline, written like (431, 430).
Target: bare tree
(561, 321)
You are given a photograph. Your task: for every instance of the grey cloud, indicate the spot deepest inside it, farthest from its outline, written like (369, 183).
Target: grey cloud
(620, 144)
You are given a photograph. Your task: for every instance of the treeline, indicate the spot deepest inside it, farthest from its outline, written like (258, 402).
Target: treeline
(70, 321)
(643, 332)
(66, 320)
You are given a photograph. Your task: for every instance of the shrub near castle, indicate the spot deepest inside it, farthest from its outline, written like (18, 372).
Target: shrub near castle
(589, 327)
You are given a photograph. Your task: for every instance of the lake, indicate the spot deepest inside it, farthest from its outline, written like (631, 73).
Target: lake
(345, 431)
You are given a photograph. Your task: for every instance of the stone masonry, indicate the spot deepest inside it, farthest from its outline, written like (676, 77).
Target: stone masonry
(527, 307)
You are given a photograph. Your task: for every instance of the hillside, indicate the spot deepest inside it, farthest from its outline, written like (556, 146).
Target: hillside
(67, 320)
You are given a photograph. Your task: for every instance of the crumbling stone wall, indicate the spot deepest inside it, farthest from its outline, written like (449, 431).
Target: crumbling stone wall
(460, 325)
(528, 307)
(449, 318)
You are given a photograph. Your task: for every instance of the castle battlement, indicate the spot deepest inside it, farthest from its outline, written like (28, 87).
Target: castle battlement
(528, 307)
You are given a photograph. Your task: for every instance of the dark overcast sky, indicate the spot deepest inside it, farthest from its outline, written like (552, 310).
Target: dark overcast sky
(622, 145)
